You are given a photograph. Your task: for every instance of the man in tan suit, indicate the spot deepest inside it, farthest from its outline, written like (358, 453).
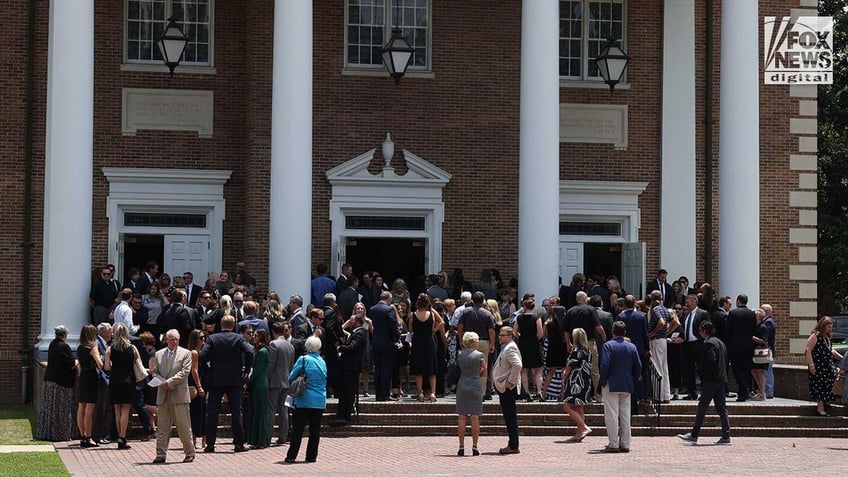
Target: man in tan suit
(506, 376)
(173, 365)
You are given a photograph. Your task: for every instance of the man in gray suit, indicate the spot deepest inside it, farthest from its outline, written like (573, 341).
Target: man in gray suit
(173, 365)
(280, 360)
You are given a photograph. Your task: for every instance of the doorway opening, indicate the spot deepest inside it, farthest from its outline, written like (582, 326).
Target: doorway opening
(139, 248)
(391, 257)
(602, 259)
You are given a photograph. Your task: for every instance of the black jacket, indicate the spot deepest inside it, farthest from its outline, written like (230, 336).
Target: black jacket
(227, 357)
(713, 361)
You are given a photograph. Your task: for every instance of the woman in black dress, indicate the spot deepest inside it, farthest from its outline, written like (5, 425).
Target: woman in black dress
(759, 369)
(120, 357)
(197, 406)
(530, 333)
(56, 417)
(556, 357)
(820, 354)
(424, 324)
(90, 366)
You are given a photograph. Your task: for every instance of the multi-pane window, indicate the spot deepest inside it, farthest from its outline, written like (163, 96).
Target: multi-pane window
(146, 20)
(370, 24)
(584, 26)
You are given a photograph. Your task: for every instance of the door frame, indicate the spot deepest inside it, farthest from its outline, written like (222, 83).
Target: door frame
(172, 191)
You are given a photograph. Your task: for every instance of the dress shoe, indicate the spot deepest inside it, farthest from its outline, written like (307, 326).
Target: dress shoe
(624, 450)
(691, 397)
(188, 458)
(209, 449)
(103, 442)
(289, 460)
(688, 437)
(279, 442)
(475, 451)
(610, 450)
(724, 441)
(460, 452)
(159, 460)
(509, 450)
(310, 461)
(240, 449)
(740, 399)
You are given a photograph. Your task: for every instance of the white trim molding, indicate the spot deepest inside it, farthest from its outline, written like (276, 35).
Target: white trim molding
(602, 201)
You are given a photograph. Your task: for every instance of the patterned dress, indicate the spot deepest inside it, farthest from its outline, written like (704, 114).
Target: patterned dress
(578, 385)
(821, 383)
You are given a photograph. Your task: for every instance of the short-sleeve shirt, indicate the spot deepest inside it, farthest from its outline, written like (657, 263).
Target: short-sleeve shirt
(657, 312)
(478, 320)
(582, 316)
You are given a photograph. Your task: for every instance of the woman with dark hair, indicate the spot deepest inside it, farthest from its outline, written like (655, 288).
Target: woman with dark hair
(90, 365)
(424, 323)
(165, 284)
(679, 293)
(400, 376)
(460, 284)
(260, 432)
(530, 334)
(820, 354)
(156, 303)
(707, 298)
(197, 406)
(120, 356)
(56, 417)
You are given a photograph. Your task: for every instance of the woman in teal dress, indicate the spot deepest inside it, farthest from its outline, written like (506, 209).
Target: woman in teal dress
(260, 433)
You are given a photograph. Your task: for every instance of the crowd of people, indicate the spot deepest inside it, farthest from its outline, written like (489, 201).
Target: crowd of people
(176, 351)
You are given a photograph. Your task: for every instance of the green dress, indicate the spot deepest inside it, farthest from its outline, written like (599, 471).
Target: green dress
(260, 434)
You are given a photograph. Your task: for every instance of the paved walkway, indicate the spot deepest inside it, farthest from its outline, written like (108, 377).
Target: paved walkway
(376, 456)
(26, 448)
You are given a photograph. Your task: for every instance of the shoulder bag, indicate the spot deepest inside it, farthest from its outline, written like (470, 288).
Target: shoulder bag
(298, 386)
(762, 355)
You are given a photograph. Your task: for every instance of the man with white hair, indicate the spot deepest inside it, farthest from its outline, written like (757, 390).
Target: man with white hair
(465, 299)
(173, 365)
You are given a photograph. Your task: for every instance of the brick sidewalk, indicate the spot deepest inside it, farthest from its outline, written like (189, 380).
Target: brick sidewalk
(375, 456)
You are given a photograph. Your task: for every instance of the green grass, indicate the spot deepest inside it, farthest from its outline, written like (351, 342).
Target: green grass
(17, 426)
(32, 464)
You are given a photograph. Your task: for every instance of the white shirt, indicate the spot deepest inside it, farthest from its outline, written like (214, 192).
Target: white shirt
(123, 314)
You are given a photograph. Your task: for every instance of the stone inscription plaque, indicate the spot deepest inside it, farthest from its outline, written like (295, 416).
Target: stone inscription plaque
(593, 123)
(167, 109)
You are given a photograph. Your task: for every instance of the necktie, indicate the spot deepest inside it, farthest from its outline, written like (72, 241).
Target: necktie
(662, 289)
(689, 321)
(171, 354)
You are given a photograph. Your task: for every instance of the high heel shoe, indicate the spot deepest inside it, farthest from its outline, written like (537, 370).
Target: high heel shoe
(474, 451)
(86, 443)
(122, 443)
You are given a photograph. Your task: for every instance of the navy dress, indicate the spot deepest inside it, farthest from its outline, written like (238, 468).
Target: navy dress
(423, 354)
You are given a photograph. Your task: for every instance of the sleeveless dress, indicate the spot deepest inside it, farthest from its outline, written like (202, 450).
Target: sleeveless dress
(557, 356)
(122, 379)
(469, 394)
(197, 406)
(578, 386)
(423, 354)
(88, 375)
(528, 341)
(258, 383)
(821, 383)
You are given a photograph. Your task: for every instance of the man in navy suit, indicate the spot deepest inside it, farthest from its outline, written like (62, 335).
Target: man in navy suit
(386, 334)
(692, 342)
(637, 332)
(621, 369)
(661, 284)
(229, 359)
(151, 269)
(350, 354)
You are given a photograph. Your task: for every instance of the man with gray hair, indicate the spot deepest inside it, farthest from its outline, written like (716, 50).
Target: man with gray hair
(281, 357)
(103, 427)
(465, 299)
(298, 315)
(173, 365)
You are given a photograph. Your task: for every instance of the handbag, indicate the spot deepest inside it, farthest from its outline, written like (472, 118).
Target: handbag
(298, 386)
(452, 375)
(139, 370)
(838, 385)
(762, 356)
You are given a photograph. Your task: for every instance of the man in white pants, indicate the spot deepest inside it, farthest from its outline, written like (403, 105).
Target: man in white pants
(620, 370)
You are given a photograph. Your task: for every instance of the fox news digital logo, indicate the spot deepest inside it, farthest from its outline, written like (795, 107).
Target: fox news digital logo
(798, 52)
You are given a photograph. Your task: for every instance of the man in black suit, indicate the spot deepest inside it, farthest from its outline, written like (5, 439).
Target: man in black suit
(311, 327)
(344, 278)
(347, 298)
(383, 341)
(151, 270)
(637, 333)
(179, 317)
(568, 295)
(350, 357)
(596, 288)
(740, 325)
(228, 358)
(102, 297)
(661, 284)
(192, 290)
(692, 342)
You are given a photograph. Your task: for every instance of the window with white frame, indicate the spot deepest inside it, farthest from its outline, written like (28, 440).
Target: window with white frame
(584, 26)
(369, 25)
(146, 20)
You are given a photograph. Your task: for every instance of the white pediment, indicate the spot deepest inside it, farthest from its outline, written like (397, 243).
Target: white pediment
(419, 173)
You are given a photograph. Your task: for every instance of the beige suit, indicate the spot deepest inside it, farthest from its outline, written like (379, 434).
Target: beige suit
(507, 368)
(173, 403)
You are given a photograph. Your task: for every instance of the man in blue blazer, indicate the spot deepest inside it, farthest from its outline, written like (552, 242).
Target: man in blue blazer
(637, 332)
(229, 358)
(621, 369)
(385, 336)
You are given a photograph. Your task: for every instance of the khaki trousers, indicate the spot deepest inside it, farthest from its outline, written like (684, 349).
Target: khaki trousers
(168, 415)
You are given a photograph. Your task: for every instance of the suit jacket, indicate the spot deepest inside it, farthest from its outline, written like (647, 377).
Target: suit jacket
(180, 318)
(637, 329)
(620, 366)
(386, 332)
(298, 318)
(740, 326)
(352, 350)
(143, 284)
(175, 372)
(507, 367)
(228, 356)
(280, 360)
(655, 284)
(193, 293)
(346, 300)
(701, 315)
(305, 331)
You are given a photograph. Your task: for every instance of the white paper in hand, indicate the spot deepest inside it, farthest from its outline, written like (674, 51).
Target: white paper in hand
(156, 381)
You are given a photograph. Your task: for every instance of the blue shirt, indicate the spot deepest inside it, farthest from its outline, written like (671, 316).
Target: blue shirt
(315, 397)
(320, 287)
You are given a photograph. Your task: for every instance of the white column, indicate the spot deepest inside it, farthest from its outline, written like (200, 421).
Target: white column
(678, 245)
(538, 186)
(290, 241)
(66, 270)
(739, 169)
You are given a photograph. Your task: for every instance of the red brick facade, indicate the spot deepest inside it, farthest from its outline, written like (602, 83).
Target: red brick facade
(465, 119)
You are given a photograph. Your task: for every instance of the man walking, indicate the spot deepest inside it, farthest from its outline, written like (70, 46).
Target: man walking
(229, 359)
(506, 376)
(713, 368)
(621, 369)
(173, 365)
(280, 361)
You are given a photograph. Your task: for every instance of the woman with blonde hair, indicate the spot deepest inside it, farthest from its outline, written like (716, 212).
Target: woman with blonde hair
(819, 354)
(578, 383)
(120, 356)
(90, 365)
(469, 395)
(273, 312)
